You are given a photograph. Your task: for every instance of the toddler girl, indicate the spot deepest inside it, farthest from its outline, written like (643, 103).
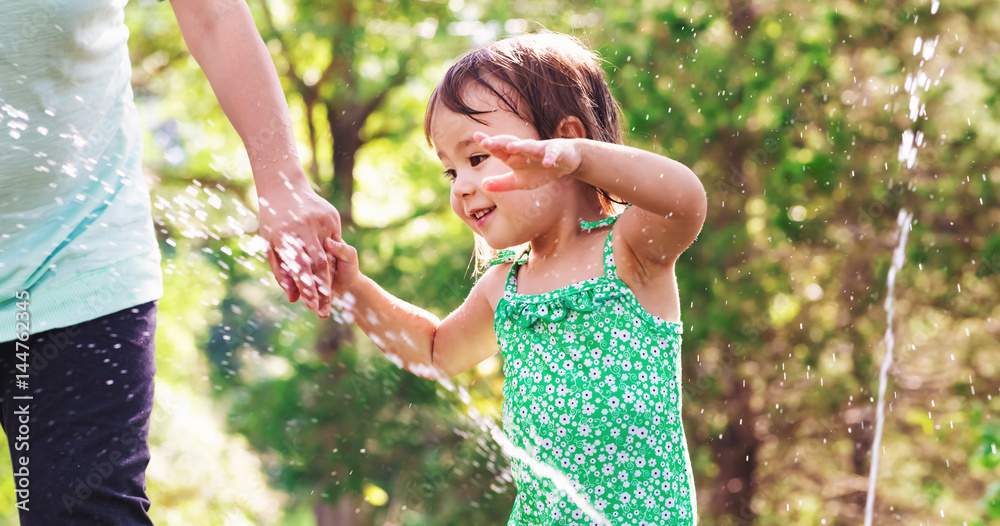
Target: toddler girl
(587, 313)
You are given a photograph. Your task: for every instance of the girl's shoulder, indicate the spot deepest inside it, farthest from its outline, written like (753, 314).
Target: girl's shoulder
(493, 281)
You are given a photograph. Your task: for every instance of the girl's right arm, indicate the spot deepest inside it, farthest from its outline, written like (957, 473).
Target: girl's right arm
(410, 336)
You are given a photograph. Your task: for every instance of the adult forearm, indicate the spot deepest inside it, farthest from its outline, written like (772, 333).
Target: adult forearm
(225, 42)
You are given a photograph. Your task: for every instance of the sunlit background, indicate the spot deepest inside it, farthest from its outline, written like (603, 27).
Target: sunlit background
(811, 124)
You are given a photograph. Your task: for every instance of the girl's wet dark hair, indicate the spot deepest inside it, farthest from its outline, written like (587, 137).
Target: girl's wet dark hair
(542, 78)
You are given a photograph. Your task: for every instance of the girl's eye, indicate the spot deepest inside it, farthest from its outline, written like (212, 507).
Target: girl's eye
(476, 159)
(450, 175)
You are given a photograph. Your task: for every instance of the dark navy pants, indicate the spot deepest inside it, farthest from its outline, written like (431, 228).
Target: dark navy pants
(77, 432)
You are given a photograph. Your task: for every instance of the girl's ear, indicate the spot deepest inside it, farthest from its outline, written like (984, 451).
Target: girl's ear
(571, 128)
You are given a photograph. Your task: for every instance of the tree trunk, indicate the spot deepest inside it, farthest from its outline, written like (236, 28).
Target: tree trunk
(736, 455)
(342, 514)
(346, 142)
(742, 15)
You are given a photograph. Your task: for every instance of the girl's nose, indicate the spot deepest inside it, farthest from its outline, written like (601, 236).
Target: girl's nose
(463, 186)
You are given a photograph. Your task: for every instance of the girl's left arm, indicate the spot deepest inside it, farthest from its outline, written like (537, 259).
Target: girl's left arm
(669, 200)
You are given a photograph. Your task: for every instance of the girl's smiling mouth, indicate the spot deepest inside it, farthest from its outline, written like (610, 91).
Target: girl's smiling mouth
(481, 215)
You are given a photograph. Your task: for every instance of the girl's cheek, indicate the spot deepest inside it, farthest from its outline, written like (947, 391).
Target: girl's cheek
(455, 208)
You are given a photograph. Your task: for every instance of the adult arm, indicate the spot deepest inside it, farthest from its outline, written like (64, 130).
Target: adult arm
(295, 221)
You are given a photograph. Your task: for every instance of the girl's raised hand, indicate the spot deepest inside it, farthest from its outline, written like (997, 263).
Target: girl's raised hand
(533, 163)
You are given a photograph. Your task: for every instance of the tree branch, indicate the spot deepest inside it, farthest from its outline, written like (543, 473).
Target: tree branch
(395, 81)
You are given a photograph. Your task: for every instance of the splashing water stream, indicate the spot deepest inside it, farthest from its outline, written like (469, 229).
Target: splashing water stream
(540, 469)
(907, 156)
(898, 258)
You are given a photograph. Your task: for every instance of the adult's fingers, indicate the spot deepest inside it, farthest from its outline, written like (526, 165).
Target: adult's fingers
(282, 276)
(292, 252)
(321, 278)
(305, 280)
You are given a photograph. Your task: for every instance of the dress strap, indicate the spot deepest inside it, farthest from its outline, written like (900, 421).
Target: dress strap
(587, 225)
(610, 269)
(510, 256)
(503, 256)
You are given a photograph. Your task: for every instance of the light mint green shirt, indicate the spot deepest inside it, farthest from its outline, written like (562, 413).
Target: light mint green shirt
(76, 228)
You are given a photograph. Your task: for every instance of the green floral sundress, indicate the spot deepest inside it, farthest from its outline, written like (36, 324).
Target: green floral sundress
(592, 388)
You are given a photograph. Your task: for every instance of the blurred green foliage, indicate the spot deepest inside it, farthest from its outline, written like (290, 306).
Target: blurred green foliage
(792, 113)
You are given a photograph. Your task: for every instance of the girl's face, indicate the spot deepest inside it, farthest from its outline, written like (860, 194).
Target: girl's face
(503, 219)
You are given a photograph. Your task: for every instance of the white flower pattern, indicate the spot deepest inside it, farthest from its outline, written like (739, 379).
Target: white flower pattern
(600, 376)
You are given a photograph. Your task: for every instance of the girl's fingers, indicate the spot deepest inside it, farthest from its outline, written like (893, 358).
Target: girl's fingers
(501, 183)
(530, 147)
(551, 157)
(494, 141)
(345, 262)
(507, 144)
(337, 250)
(518, 153)
(341, 252)
(497, 146)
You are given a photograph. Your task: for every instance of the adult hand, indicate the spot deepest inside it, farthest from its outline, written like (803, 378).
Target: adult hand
(295, 221)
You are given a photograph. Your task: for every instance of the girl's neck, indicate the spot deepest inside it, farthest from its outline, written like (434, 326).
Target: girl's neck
(566, 254)
(566, 234)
